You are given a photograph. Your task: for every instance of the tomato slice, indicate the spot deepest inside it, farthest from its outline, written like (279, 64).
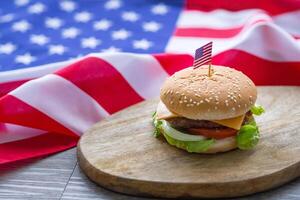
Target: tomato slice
(213, 133)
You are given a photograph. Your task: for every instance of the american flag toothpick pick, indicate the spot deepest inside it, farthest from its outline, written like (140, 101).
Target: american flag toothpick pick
(203, 56)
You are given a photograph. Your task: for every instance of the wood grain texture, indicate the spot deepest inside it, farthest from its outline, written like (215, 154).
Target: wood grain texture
(120, 153)
(81, 188)
(43, 178)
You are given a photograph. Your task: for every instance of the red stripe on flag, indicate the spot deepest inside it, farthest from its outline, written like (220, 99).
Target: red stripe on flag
(207, 32)
(261, 71)
(203, 57)
(102, 82)
(271, 6)
(15, 111)
(203, 62)
(41, 145)
(9, 86)
(174, 62)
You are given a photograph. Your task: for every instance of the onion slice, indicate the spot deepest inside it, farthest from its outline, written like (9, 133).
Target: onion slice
(167, 129)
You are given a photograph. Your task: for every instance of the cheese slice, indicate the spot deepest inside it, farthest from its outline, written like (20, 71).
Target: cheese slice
(234, 123)
(163, 112)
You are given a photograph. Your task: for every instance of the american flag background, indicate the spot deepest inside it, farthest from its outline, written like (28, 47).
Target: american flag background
(64, 65)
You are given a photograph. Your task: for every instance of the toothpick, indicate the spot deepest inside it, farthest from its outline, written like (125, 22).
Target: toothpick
(209, 70)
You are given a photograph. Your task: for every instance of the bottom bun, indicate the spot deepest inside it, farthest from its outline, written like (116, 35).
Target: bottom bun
(222, 145)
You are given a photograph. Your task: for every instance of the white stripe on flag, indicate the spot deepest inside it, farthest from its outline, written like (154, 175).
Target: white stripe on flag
(61, 100)
(289, 21)
(14, 132)
(33, 72)
(217, 19)
(143, 72)
(280, 47)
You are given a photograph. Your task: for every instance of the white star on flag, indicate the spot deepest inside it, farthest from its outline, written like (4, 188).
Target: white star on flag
(70, 32)
(57, 49)
(121, 34)
(90, 42)
(159, 9)
(6, 18)
(142, 44)
(36, 8)
(25, 59)
(21, 2)
(53, 23)
(39, 39)
(130, 16)
(7, 48)
(21, 26)
(67, 6)
(83, 16)
(111, 49)
(151, 26)
(112, 4)
(103, 24)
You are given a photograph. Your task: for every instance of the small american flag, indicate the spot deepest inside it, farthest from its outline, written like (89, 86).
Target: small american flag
(203, 55)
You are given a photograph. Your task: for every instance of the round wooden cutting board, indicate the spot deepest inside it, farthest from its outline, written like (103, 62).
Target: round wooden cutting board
(121, 154)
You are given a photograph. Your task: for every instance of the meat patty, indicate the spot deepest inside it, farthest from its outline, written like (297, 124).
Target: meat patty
(185, 123)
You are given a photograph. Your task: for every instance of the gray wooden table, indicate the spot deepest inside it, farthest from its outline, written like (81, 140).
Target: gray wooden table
(59, 177)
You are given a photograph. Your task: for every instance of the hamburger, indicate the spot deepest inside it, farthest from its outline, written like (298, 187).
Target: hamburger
(208, 114)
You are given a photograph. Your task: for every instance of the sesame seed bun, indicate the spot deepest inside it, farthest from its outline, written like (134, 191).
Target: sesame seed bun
(190, 93)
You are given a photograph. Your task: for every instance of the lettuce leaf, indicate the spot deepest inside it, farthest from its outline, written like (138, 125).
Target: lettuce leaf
(257, 110)
(190, 146)
(248, 136)
(157, 124)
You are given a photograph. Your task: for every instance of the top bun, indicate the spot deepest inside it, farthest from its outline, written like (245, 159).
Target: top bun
(190, 93)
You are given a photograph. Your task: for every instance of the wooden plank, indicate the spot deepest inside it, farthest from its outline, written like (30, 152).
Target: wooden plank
(121, 154)
(44, 178)
(80, 188)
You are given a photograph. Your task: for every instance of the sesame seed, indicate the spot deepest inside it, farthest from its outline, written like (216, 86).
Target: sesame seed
(171, 102)
(185, 101)
(239, 105)
(233, 108)
(191, 100)
(185, 97)
(180, 102)
(198, 103)
(217, 102)
(207, 100)
(216, 108)
(201, 101)
(234, 100)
